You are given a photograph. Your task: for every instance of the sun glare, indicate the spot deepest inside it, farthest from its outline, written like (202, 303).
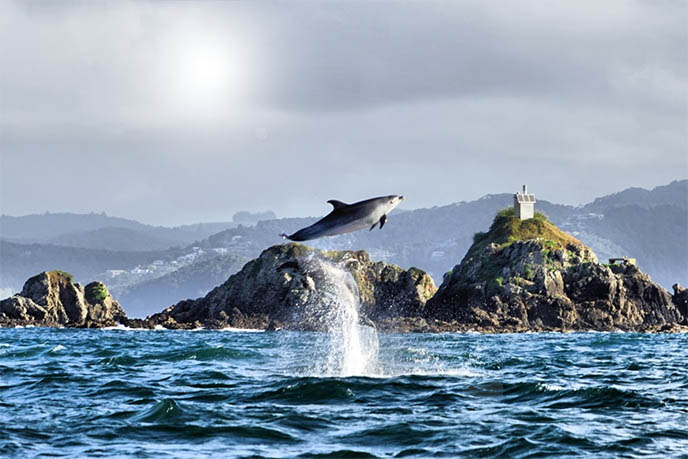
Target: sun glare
(208, 77)
(206, 71)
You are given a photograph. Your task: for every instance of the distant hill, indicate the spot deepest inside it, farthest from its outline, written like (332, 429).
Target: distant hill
(18, 262)
(43, 227)
(113, 238)
(188, 282)
(673, 194)
(251, 218)
(100, 231)
(656, 236)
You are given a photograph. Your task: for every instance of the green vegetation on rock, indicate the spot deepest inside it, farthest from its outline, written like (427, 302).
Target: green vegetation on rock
(96, 292)
(507, 228)
(490, 258)
(57, 275)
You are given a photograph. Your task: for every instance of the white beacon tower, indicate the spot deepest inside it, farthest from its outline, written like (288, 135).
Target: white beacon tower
(524, 204)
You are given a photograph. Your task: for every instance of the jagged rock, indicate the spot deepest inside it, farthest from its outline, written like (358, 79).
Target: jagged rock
(680, 299)
(293, 286)
(529, 275)
(53, 299)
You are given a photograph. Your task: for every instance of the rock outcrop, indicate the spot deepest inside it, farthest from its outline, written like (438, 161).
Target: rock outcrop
(529, 275)
(680, 298)
(53, 299)
(293, 286)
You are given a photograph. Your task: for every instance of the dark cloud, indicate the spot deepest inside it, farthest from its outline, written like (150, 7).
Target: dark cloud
(115, 106)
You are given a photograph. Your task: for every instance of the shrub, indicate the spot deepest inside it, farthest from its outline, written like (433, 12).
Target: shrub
(96, 292)
(479, 236)
(541, 217)
(65, 274)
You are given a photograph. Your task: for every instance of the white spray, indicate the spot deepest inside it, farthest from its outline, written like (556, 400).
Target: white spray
(351, 348)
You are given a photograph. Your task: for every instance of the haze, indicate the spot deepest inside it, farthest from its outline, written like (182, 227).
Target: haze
(183, 112)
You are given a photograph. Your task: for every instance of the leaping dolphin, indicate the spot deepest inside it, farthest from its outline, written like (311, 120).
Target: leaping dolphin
(346, 218)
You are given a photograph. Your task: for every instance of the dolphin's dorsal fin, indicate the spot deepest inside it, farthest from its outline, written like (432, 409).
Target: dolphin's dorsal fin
(337, 204)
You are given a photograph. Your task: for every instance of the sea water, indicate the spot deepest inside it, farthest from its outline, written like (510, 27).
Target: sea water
(345, 392)
(69, 392)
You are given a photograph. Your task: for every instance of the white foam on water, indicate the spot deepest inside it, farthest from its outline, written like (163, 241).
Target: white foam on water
(452, 372)
(57, 348)
(122, 327)
(160, 327)
(240, 330)
(560, 387)
(350, 349)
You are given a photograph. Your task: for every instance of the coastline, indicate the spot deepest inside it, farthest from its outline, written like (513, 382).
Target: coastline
(400, 326)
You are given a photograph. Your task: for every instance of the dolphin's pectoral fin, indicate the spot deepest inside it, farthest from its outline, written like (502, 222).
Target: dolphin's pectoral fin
(372, 227)
(337, 204)
(383, 219)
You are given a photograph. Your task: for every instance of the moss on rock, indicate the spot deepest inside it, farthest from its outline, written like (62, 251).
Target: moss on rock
(96, 292)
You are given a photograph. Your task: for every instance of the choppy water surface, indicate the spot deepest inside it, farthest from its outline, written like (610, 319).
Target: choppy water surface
(177, 393)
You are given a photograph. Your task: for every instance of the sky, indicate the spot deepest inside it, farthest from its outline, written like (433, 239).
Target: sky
(178, 112)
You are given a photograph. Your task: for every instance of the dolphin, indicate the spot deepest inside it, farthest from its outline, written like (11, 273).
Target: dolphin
(346, 218)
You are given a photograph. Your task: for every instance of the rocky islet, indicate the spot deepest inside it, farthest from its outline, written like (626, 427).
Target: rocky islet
(52, 299)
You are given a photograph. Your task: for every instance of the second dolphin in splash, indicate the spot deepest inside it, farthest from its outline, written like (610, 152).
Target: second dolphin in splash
(346, 218)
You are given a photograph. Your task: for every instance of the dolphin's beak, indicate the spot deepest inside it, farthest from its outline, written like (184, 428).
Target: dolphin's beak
(401, 198)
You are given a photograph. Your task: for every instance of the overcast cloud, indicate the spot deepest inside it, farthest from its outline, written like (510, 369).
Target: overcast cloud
(176, 112)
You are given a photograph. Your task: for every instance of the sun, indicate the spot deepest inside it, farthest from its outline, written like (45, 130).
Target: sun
(207, 77)
(207, 70)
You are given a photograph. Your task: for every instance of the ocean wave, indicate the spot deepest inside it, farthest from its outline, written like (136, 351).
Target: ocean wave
(57, 348)
(308, 390)
(125, 328)
(242, 330)
(164, 410)
(254, 394)
(560, 397)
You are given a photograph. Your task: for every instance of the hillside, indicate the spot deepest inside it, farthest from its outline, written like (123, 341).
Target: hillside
(43, 227)
(100, 231)
(674, 194)
(113, 238)
(20, 261)
(188, 282)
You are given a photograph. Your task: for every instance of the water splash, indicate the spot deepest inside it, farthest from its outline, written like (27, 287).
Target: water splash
(348, 348)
